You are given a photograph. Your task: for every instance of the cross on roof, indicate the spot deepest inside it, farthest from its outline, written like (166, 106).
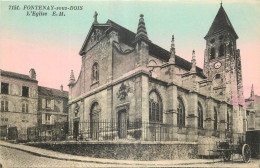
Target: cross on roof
(95, 17)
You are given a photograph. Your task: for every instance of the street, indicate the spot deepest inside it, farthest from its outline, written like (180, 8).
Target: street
(16, 158)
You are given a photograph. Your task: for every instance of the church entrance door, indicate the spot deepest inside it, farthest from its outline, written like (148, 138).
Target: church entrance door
(122, 124)
(75, 129)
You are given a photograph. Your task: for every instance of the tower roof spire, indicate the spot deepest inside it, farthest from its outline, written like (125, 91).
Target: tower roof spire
(221, 23)
(141, 30)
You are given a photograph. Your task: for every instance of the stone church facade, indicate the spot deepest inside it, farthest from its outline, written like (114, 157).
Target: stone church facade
(125, 78)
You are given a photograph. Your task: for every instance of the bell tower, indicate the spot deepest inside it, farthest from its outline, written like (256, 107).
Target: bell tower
(222, 63)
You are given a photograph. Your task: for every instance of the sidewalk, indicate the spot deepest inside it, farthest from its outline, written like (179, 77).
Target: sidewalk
(68, 157)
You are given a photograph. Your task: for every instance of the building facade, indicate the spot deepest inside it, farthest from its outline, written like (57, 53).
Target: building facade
(19, 103)
(53, 113)
(130, 88)
(253, 111)
(29, 111)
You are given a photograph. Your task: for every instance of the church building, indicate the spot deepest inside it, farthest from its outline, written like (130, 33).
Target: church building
(132, 89)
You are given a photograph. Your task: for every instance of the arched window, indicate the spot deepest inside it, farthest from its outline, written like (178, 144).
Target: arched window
(94, 120)
(181, 113)
(215, 119)
(221, 50)
(212, 53)
(95, 72)
(200, 116)
(155, 107)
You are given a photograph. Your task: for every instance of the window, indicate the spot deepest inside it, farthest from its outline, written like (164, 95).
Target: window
(221, 50)
(47, 104)
(228, 121)
(25, 108)
(200, 116)
(25, 91)
(95, 72)
(4, 105)
(181, 113)
(4, 88)
(48, 118)
(155, 107)
(215, 119)
(212, 53)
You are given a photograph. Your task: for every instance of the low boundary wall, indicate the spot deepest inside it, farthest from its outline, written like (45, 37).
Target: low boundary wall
(125, 150)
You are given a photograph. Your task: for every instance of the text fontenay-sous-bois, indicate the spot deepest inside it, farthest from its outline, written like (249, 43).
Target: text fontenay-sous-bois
(43, 10)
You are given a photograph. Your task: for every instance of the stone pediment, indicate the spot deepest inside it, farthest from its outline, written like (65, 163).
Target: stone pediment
(96, 33)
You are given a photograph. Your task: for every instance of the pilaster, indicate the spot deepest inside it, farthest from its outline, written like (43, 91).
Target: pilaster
(192, 117)
(145, 103)
(222, 125)
(171, 112)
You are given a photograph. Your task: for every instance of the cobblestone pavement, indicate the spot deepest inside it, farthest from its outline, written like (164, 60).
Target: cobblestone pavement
(16, 158)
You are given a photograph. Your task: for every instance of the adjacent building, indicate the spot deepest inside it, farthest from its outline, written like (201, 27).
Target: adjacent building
(253, 111)
(53, 113)
(131, 88)
(29, 111)
(19, 103)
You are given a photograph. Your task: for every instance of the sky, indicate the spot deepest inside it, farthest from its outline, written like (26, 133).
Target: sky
(50, 44)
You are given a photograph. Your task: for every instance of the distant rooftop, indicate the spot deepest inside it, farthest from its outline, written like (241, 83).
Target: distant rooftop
(44, 91)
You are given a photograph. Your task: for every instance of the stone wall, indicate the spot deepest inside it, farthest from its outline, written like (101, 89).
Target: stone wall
(124, 150)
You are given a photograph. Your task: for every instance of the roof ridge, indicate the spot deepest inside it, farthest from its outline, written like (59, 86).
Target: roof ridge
(51, 88)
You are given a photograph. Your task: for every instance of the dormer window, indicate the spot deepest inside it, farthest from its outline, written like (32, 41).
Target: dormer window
(212, 41)
(95, 72)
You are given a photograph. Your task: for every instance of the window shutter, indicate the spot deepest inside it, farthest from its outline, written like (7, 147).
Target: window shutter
(27, 108)
(43, 119)
(23, 107)
(6, 106)
(52, 104)
(52, 119)
(43, 103)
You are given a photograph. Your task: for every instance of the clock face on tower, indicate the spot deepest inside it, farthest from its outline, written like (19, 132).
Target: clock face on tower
(217, 65)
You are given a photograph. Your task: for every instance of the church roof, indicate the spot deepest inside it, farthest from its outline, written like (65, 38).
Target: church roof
(17, 75)
(221, 23)
(128, 37)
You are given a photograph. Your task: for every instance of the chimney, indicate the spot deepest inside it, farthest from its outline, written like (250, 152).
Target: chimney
(61, 88)
(32, 73)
